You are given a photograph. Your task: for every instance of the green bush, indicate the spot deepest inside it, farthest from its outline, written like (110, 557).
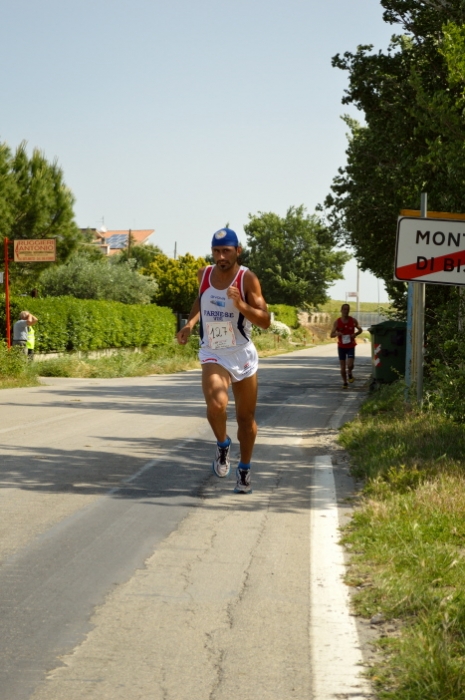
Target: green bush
(103, 279)
(285, 314)
(444, 391)
(66, 323)
(14, 363)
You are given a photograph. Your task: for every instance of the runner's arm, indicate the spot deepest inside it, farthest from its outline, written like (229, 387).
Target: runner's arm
(254, 308)
(183, 335)
(334, 332)
(357, 325)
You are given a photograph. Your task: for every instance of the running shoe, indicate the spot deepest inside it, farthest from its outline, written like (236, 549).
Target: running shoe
(351, 379)
(243, 483)
(220, 464)
(345, 385)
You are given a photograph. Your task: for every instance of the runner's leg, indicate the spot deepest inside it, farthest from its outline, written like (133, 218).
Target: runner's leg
(343, 371)
(215, 383)
(350, 365)
(245, 396)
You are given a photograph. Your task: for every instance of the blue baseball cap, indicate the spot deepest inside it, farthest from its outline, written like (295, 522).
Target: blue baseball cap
(225, 236)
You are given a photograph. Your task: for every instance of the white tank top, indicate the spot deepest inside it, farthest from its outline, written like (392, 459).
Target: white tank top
(222, 326)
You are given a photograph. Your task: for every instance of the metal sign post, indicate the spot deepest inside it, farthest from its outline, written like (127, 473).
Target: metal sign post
(7, 294)
(415, 328)
(419, 320)
(409, 343)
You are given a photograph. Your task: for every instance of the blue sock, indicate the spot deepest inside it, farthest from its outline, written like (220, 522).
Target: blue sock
(243, 466)
(226, 443)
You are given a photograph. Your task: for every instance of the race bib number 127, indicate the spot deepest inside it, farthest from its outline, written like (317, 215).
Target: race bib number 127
(220, 334)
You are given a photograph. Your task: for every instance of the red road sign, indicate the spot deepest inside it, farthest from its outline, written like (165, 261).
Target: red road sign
(430, 250)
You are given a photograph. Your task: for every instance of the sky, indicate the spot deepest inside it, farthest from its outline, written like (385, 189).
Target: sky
(184, 115)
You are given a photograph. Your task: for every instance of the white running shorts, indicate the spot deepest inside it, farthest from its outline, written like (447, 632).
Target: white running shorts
(241, 362)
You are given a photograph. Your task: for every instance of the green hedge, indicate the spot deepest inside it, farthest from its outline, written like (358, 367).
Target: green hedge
(66, 323)
(285, 314)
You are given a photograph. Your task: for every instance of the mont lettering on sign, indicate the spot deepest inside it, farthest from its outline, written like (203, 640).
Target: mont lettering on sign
(430, 250)
(35, 250)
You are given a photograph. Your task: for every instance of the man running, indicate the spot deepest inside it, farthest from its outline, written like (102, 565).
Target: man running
(346, 329)
(230, 300)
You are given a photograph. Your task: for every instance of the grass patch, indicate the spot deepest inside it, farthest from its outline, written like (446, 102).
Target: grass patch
(15, 368)
(166, 359)
(407, 540)
(18, 382)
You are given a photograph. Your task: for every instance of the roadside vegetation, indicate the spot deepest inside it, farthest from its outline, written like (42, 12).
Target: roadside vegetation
(407, 544)
(16, 370)
(165, 359)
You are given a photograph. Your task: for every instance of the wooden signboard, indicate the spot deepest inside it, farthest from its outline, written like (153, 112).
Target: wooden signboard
(35, 250)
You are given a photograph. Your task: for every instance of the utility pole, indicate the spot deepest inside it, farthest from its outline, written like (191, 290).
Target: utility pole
(7, 294)
(358, 292)
(175, 250)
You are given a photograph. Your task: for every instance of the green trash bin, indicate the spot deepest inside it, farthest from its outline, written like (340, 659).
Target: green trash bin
(388, 344)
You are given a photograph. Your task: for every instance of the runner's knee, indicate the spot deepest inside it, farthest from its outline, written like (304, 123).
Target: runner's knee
(246, 420)
(217, 404)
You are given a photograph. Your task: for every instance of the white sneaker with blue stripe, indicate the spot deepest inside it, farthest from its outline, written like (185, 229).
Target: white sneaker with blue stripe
(221, 463)
(243, 481)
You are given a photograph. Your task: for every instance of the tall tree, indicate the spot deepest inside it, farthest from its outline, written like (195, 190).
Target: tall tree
(293, 257)
(176, 279)
(412, 139)
(8, 192)
(36, 204)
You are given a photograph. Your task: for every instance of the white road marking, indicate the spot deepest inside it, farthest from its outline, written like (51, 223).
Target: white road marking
(334, 641)
(347, 404)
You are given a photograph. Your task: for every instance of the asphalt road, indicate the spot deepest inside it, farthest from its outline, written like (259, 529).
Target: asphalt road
(127, 570)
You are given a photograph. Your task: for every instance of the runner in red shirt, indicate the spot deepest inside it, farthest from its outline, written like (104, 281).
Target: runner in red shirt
(346, 328)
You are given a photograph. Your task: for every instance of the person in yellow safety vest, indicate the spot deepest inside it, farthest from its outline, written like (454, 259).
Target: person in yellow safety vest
(30, 342)
(25, 320)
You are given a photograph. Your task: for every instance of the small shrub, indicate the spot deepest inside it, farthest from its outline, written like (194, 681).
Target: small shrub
(302, 335)
(15, 366)
(285, 314)
(445, 395)
(280, 329)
